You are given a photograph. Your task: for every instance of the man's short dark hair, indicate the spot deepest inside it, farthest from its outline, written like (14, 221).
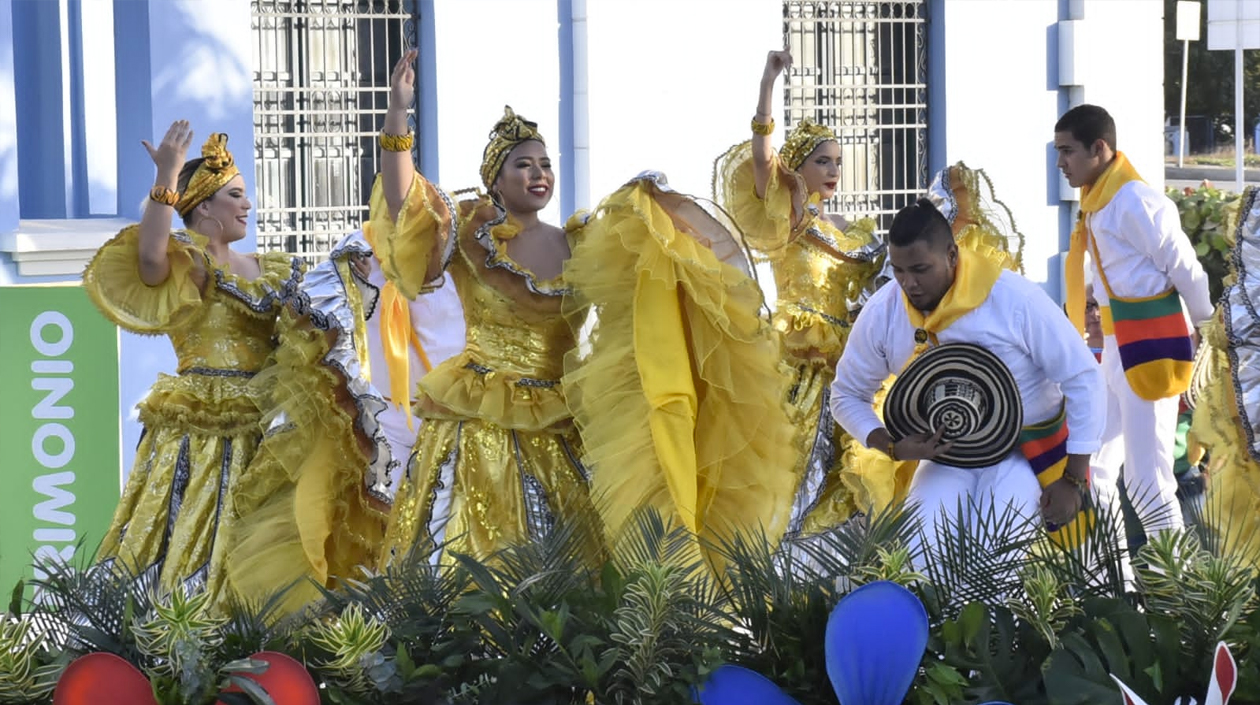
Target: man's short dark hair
(1088, 124)
(920, 222)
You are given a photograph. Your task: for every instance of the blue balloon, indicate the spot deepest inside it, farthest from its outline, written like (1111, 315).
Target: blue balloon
(875, 640)
(735, 685)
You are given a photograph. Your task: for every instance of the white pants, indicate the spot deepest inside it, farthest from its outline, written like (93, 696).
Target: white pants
(939, 489)
(401, 439)
(1139, 435)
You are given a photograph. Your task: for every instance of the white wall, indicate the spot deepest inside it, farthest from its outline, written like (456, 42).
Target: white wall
(673, 84)
(1125, 75)
(1002, 96)
(491, 53)
(1001, 103)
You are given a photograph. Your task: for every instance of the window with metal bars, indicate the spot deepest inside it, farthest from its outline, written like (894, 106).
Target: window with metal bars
(321, 88)
(860, 67)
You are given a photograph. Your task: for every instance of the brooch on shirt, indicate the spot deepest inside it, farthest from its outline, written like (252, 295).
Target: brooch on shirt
(920, 336)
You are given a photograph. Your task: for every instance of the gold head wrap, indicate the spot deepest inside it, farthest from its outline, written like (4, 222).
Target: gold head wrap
(217, 168)
(508, 132)
(803, 139)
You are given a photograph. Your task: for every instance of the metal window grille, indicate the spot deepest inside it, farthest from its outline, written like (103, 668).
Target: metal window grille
(321, 88)
(861, 67)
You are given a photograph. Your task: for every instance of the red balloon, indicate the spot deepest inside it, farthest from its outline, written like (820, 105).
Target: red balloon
(102, 679)
(286, 680)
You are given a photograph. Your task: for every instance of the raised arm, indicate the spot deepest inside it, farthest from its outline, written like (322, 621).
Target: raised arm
(155, 224)
(762, 148)
(397, 168)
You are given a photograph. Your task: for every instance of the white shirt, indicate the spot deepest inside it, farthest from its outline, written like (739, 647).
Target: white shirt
(1144, 251)
(438, 319)
(1017, 322)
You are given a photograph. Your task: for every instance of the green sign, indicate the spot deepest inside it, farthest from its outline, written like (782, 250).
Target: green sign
(59, 427)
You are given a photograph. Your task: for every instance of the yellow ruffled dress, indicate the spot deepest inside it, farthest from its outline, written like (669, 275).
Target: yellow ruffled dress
(680, 395)
(176, 514)
(497, 460)
(821, 274)
(313, 504)
(1227, 390)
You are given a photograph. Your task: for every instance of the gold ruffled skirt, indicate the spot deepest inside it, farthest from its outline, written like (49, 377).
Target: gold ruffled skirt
(475, 487)
(176, 514)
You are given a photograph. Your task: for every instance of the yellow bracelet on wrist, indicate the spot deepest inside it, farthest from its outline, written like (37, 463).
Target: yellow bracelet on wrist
(396, 143)
(762, 128)
(891, 450)
(164, 195)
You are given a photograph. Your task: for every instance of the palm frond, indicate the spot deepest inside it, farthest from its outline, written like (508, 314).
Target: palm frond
(844, 549)
(976, 556)
(90, 608)
(1091, 562)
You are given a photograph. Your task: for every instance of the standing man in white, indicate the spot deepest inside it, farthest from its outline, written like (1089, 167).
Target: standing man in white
(1144, 267)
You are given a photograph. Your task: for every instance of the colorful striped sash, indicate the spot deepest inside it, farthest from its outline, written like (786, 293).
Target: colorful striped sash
(1045, 447)
(1153, 339)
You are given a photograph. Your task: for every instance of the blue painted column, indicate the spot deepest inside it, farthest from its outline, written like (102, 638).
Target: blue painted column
(176, 59)
(8, 124)
(936, 83)
(568, 185)
(40, 55)
(427, 89)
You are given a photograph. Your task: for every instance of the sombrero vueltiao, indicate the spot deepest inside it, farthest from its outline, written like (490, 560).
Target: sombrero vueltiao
(969, 392)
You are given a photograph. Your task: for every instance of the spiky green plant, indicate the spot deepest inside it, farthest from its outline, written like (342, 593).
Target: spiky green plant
(179, 638)
(1044, 604)
(28, 670)
(353, 642)
(667, 624)
(893, 564)
(1206, 594)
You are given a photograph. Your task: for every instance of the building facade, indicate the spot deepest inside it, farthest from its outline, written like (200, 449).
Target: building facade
(616, 86)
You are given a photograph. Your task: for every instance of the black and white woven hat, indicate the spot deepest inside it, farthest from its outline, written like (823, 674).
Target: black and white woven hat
(966, 390)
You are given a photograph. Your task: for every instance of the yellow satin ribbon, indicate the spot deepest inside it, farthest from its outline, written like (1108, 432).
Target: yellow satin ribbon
(1093, 199)
(397, 333)
(973, 280)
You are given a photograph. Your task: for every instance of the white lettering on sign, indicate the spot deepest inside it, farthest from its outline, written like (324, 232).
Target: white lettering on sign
(52, 443)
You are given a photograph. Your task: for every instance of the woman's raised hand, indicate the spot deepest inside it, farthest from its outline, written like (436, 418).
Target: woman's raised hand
(402, 83)
(169, 155)
(777, 61)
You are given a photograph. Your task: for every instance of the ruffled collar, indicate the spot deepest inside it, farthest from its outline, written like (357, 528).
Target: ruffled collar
(278, 280)
(494, 235)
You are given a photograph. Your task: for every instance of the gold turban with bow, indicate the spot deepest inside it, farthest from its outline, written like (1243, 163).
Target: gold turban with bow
(509, 131)
(216, 169)
(803, 139)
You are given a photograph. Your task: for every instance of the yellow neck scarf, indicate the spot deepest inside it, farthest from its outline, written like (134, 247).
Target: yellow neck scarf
(1093, 199)
(397, 332)
(973, 280)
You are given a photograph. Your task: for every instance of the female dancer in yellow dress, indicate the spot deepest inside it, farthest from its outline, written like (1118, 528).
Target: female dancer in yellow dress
(219, 308)
(1227, 387)
(497, 460)
(824, 268)
(680, 396)
(822, 265)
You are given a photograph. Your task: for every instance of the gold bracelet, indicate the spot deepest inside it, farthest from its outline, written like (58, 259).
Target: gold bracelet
(762, 128)
(891, 450)
(396, 143)
(164, 195)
